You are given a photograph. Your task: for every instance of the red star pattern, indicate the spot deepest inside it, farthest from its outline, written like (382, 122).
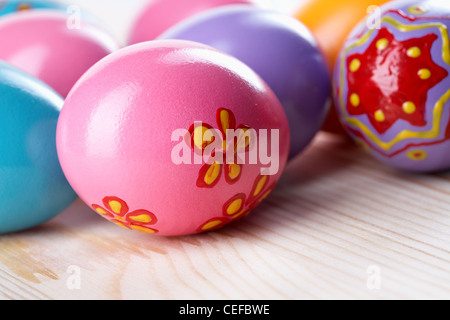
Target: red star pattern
(391, 79)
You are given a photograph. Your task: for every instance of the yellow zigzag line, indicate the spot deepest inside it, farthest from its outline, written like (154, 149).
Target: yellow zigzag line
(439, 106)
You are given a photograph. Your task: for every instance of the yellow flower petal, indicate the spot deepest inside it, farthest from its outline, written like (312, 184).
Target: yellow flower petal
(235, 207)
(101, 211)
(143, 218)
(225, 120)
(211, 225)
(213, 173)
(116, 206)
(202, 137)
(143, 229)
(260, 185)
(234, 171)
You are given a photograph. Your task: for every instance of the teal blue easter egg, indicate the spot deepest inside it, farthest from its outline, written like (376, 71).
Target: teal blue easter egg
(11, 6)
(33, 188)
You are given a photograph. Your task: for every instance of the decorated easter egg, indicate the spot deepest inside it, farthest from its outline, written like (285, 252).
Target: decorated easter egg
(160, 15)
(392, 86)
(331, 22)
(33, 188)
(278, 48)
(172, 137)
(11, 6)
(53, 47)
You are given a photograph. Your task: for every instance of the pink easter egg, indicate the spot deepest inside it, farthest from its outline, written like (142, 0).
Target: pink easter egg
(159, 15)
(52, 46)
(170, 137)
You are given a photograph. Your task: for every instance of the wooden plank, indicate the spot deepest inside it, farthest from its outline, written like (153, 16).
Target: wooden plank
(337, 223)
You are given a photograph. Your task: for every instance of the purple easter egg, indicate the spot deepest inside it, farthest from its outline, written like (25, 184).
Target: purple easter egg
(277, 47)
(392, 85)
(159, 15)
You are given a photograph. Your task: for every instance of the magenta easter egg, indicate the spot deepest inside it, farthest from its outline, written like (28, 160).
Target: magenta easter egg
(160, 15)
(392, 85)
(172, 137)
(52, 47)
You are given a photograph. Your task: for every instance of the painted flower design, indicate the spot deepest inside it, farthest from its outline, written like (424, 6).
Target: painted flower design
(116, 210)
(202, 136)
(240, 205)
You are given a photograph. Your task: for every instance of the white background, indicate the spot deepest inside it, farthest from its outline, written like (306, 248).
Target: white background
(118, 15)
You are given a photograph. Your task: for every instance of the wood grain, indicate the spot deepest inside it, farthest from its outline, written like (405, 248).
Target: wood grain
(335, 216)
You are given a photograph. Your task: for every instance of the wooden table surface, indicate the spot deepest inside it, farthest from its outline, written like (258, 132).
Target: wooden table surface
(339, 226)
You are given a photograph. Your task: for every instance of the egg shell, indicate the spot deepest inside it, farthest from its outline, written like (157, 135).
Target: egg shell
(331, 22)
(278, 48)
(11, 6)
(116, 138)
(33, 188)
(41, 43)
(392, 86)
(159, 15)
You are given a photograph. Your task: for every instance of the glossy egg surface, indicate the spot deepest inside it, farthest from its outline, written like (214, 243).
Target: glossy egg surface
(392, 86)
(50, 47)
(159, 15)
(133, 131)
(33, 188)
(278, 48)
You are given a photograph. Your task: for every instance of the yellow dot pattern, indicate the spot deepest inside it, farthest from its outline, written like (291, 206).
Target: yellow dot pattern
(355, 65)
(414, 52)
(409, 107)
(424, 74)
(355, 100)
(417, 155)
(380, 116)
(382, 44)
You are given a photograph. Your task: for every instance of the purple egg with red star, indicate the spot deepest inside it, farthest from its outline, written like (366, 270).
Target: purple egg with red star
(392, 85)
